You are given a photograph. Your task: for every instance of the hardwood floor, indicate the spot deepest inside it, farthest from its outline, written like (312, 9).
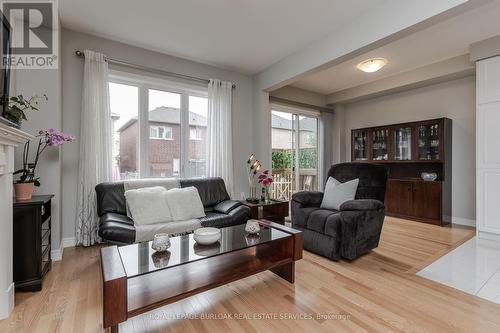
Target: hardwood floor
(376, 293)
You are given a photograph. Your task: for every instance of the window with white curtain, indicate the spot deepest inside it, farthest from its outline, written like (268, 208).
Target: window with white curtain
(160, 127)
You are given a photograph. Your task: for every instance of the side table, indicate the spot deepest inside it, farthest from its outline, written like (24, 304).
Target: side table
(275, 211)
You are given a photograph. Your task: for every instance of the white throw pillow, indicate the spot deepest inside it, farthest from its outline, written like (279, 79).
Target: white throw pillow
(185, 203)
(148, 205)
(336, 193)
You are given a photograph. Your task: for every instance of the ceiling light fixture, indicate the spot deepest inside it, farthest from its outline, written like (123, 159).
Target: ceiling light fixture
(372, 65)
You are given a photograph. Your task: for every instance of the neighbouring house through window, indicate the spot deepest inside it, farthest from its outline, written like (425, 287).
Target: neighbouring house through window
(195, 133)
(160, 127)
(160, 132)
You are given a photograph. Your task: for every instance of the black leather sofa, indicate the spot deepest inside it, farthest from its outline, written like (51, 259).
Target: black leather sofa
(117, 228)
(354, 229)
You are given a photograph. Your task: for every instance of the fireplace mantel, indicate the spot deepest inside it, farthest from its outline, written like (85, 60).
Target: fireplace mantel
(9, 139)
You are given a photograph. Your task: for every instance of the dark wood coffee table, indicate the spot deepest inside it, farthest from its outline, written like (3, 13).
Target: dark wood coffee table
(136, 279)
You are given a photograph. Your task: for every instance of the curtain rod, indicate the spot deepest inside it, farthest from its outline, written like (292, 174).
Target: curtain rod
(151, 70)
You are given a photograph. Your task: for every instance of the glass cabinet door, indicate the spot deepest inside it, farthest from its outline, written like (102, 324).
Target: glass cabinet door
(428, 142)
(380, 140)
(402, 144)
(360, 145)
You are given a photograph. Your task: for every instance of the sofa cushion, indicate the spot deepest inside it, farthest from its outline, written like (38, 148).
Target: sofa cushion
(212, 190)
(184, 203)
(317, 219)
(337, 193)
(148, 205)
(111, 198)
(372, 178)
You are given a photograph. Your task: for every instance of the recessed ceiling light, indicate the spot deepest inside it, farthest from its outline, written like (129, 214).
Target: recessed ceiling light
(372, 65)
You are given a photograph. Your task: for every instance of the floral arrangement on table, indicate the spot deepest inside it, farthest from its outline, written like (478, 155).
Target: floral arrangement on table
(266, 181)
(253, 167)
(27, 179)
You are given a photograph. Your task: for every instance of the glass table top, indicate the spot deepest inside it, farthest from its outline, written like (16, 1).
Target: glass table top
(140, 258)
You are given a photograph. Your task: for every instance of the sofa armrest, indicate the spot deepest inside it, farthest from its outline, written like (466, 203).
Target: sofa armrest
(360, 227)
(362, 204)
(226, 206)
(308, 198)
(116, 228)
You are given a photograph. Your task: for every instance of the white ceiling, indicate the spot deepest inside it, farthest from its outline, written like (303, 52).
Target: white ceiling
(436, 43)
(242, 35)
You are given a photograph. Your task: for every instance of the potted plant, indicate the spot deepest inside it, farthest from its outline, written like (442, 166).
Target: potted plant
(27, 179)
(18, 105)
(266, 180)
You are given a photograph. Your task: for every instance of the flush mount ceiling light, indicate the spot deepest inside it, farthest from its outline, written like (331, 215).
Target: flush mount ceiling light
(372, 65)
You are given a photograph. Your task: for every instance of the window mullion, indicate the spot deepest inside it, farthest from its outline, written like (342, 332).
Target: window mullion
(184, 133)
(143, 132)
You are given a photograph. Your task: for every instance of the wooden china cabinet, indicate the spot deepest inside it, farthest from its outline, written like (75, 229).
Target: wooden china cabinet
(409, 149)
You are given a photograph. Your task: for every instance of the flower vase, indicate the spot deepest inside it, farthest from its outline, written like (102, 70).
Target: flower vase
(267, 195)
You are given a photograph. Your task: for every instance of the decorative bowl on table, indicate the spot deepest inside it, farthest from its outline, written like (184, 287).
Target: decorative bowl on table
(252, 239)
(206, 250)
(161, 258)
(429, 176)
(161, 242)
(252, 227)
(206, 236)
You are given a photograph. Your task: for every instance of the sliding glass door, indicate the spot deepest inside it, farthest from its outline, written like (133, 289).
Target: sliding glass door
(294, 152)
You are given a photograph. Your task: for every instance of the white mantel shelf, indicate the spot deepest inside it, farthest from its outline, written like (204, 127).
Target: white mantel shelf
(9, 138)
(12, 136)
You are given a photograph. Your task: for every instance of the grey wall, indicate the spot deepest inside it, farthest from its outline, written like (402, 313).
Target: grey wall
(454, 100)
(72, 69)
(30, 82)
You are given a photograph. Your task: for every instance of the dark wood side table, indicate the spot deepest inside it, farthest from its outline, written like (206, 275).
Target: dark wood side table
(31, 242)
(275, 211)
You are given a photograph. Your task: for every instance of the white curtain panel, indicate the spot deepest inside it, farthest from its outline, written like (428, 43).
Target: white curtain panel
(95, 164)
(220, 154)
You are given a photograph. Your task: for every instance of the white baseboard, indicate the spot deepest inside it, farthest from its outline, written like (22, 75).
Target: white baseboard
(57, 254)
(7, 302)
(488, 236)
(463, 221)
(68, 242)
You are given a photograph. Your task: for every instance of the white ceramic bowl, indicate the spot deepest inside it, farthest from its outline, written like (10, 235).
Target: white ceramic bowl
(428, 176)
(206, 236)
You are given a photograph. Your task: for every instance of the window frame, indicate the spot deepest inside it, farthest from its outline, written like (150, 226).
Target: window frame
(144, 83)
(297, 112)
(197, 130)
(166, 129)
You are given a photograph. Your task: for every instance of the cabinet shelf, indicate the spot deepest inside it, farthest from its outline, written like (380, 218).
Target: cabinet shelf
(409, 149)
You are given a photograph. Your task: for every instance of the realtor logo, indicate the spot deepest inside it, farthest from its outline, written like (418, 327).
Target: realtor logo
(29, 34)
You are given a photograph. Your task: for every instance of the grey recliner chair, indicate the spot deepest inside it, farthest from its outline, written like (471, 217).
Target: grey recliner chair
(354, 229)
